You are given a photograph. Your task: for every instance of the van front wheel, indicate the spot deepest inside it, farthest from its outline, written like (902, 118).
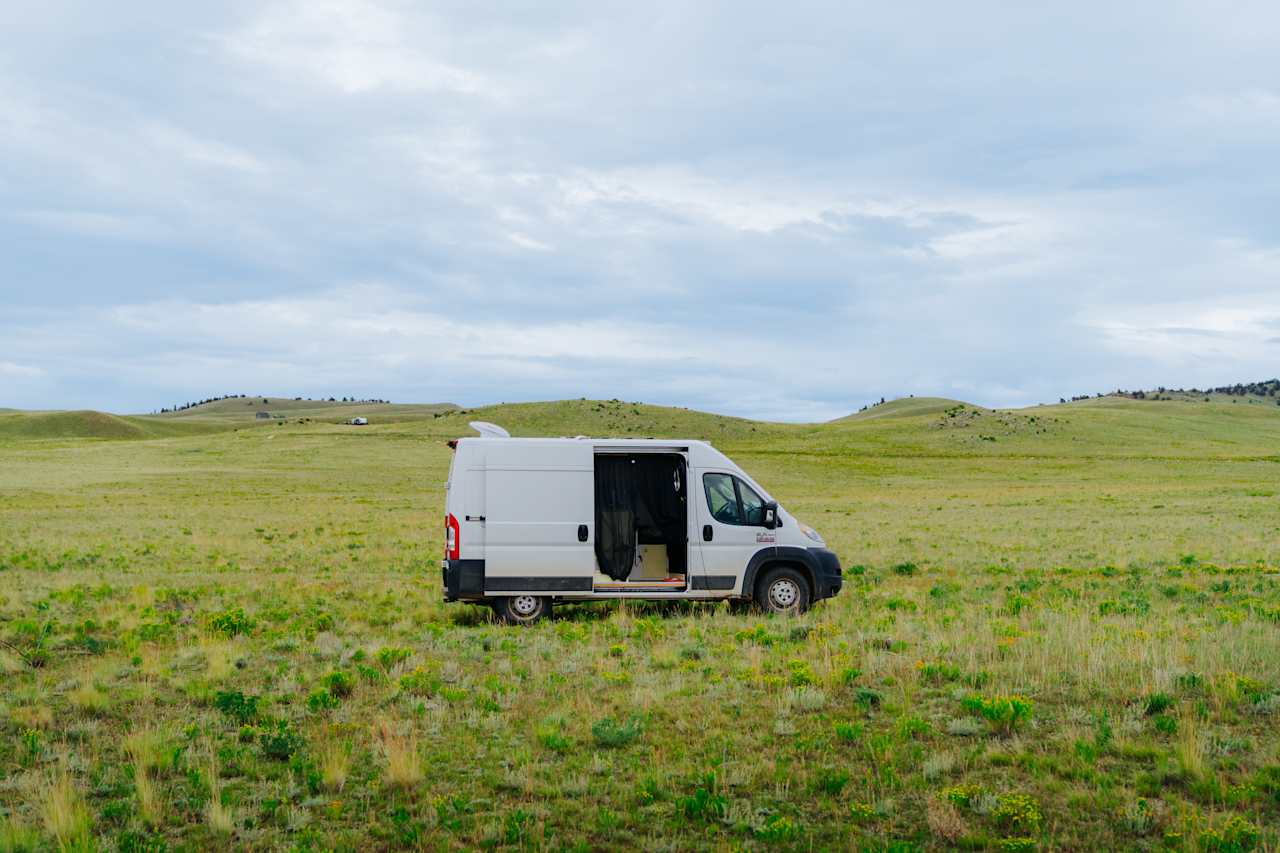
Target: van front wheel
(783, 590)
(522, 609)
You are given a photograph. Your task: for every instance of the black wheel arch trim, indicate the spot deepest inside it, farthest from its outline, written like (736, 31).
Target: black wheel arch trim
(807, 560)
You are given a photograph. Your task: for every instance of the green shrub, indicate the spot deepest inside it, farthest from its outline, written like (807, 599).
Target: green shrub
(1015, 604)
(1158, 703)
(321, 699)
(1188, 681)
(1235, 835)
(239, 707)
(778, 830)
(938, 673)
(861, 812)
(553, 740)
(868, 698)
(912, 727)
(703, 804)
(389, 656)
(610, 734)
(963, 796)
(279, 742)
(849, 674)
(419, 682)
(849, 732)
(801, 674)
(906, 569)
(1003, 713)
(339, 683)
(830, 780)
(1017, 813)
(230, 622)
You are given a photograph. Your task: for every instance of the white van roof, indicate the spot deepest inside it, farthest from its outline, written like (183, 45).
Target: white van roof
(702, 452)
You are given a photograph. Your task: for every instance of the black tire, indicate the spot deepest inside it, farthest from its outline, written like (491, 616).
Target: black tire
(783, 590)
(522, 609)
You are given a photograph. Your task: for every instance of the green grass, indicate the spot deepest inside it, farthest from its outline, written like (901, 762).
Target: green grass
(236, 638)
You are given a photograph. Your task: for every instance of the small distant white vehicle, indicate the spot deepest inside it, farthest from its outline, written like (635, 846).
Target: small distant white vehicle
(532, 521)
(358, 421)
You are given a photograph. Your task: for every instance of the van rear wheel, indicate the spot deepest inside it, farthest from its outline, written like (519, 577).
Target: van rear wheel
(783, 590)
(522, 609)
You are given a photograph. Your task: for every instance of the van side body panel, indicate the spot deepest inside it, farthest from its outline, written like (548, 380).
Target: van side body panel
(522, 506)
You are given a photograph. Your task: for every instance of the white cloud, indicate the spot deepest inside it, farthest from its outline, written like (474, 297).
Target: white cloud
(205, 151)
(89, 223)
(19, 371)
(356, 46)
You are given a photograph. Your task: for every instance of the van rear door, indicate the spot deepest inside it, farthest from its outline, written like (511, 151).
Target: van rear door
(539, 501)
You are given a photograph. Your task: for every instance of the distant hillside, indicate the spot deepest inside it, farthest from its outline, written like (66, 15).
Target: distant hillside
(598, 418)
(246, 409)
(907, 407)
(228, 402)
(1265, 391)
(29, 426)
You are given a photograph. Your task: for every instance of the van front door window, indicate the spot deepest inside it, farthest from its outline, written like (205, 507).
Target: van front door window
(732, 501)
(722, 500)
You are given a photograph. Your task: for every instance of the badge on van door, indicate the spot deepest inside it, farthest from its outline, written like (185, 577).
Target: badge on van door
(766, 538)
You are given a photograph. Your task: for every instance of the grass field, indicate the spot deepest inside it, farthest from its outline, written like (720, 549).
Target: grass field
(1060, 630)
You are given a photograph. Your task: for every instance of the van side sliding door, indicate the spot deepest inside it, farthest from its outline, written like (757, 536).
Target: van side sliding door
(535, 507)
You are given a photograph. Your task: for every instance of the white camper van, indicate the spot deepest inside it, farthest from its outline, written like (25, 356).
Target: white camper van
(531, 521)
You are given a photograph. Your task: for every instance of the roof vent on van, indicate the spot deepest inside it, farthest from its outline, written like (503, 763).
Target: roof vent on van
(488, 430)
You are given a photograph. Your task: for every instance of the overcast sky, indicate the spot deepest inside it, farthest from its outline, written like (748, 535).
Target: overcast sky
(782, 210)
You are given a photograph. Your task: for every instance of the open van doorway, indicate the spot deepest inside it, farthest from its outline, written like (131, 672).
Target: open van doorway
(642, 522)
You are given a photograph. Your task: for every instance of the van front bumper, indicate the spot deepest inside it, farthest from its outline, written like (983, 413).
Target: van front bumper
(829, 577)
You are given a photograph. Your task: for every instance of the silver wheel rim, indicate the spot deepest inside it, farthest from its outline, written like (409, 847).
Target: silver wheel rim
(524, 605)
(784, 593)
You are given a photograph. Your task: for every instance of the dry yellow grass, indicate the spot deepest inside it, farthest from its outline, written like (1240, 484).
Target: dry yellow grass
(403, 767)
(64, 813)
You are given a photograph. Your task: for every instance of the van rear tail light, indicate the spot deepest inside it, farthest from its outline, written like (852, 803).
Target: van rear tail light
(452, 537)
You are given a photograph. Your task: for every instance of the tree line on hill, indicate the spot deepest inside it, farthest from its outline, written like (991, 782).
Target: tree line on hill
(266, 401)
(1266, 388)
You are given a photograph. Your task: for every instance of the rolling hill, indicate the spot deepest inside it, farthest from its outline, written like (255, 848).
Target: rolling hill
(245, 410)
(905, 407)
(27, 426)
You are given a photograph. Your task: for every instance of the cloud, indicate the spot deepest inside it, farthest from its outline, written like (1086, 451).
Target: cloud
(12, 370)
(203, 151)
(768, 211)
(353, 45)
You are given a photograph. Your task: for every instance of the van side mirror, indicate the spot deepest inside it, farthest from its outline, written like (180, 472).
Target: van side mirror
(771, 515)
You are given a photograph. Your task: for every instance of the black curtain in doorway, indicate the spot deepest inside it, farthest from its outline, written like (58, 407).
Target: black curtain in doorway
(615, 516)
(640, 500)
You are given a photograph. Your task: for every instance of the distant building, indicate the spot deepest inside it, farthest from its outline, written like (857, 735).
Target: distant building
(263, 416)
(358, 421)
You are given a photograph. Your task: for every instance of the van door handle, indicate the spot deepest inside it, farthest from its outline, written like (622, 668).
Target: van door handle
(582, 533)
(707, 533)
(473, 518)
